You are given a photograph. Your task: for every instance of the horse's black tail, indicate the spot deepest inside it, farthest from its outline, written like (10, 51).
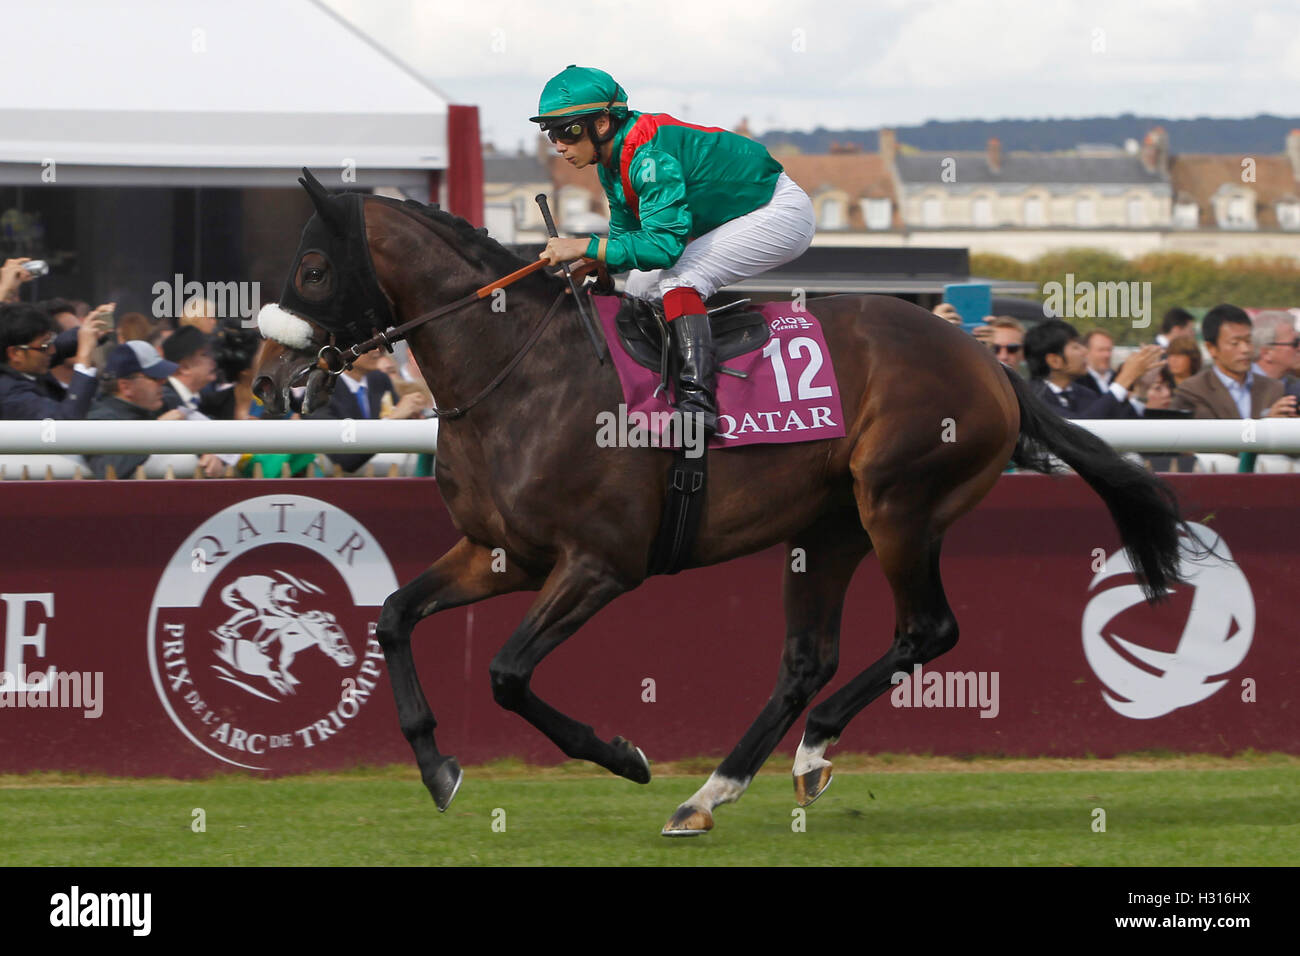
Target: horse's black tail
(1144, 508)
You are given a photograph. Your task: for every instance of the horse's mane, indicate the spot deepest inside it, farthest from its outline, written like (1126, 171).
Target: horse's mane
(478, 246)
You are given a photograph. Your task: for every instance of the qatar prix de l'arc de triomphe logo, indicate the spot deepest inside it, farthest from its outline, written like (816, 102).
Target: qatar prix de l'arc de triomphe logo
(1144, 682)
(261, 635)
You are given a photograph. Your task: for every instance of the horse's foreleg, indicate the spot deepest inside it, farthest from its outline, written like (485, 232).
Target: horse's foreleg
(463, 575)
(817, 576)
(577, 588)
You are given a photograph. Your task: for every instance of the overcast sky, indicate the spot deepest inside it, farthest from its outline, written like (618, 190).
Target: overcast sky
(799, 64)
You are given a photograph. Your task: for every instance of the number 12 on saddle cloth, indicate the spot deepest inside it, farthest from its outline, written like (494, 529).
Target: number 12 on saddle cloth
(789, 395)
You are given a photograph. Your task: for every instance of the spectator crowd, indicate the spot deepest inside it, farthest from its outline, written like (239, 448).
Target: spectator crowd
(63, 360)
(1253, 369)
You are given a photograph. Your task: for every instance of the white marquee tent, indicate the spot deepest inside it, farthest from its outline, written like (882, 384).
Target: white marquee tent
(207, 93)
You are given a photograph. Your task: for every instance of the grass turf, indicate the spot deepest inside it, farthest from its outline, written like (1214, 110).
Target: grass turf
(1160, 811)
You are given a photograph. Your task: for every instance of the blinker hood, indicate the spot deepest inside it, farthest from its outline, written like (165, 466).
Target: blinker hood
(354, 307)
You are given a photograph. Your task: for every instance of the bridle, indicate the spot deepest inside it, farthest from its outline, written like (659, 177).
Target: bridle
(335, 361)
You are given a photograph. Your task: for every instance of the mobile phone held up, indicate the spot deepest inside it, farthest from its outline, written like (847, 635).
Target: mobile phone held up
(37, 267)
(972, 300)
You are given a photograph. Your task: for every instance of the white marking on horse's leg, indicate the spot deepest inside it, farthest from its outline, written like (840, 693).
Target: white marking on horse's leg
(717, 791)
(807, 759)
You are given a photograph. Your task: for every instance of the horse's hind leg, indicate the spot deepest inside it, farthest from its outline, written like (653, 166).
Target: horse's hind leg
(925, 628)
(463, 575)
(815, 583)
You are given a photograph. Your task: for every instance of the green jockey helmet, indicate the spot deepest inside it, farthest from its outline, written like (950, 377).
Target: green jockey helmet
(579, 91)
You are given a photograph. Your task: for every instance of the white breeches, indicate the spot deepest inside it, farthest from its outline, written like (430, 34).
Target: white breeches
(769, 236)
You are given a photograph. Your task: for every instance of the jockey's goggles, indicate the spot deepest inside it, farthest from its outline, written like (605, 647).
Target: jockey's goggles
(567, 133)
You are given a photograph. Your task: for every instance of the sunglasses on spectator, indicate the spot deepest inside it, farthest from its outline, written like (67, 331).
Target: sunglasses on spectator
(568, 135)
(1287, 345)
(45, 346)
(1009, 349)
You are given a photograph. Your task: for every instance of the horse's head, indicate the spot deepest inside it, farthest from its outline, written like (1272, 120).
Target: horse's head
(332, 297)
(329, 637)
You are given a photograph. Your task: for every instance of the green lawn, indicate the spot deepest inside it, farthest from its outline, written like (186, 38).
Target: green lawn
(1244, 816)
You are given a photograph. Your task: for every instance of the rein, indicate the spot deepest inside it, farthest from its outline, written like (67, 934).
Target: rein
(336, 362)
(453, 413)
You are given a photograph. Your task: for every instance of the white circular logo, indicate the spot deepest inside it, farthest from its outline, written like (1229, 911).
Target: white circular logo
(1143, 682)
(261, 633)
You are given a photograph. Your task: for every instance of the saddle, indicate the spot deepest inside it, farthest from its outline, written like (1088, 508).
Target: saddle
(643, 332)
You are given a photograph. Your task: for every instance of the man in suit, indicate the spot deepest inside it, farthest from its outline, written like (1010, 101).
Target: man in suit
(1099, 375)
(1057, 359)
(27, 390)
(359, 393)
(191, 351)
(1229, 388)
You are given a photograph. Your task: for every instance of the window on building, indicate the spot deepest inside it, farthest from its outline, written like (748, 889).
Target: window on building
(1085, 212)
(1035, 215)
(982, 211)
(575, 205)
(932, 212)
(1288, 214)
(878, 213)
(1137, 211)
(832, 215)
(1187, 215)
(1239, 214)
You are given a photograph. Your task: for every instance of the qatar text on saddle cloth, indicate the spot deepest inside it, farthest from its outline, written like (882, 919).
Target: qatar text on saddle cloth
(791, 394)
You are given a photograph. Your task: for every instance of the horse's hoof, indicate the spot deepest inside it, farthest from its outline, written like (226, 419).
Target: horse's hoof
(811, 785)
(444, 782)
(635, 765)
(688, 822)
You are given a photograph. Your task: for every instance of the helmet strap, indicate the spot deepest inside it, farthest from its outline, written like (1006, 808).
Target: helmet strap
(590, 121)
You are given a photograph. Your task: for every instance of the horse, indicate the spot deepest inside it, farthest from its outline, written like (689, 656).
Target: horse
(931, 418)
(313, 628)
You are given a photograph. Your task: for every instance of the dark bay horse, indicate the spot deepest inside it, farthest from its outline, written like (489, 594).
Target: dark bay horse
(932, 420)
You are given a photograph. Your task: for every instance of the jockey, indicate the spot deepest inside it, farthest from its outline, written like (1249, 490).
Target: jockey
(691, 209)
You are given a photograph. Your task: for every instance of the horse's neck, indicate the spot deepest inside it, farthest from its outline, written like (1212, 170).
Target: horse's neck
(461, 353)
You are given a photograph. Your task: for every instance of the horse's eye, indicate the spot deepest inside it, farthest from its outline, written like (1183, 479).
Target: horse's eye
(313, 275)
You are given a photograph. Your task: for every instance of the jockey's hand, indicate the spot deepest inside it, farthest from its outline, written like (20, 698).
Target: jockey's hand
(563, 250)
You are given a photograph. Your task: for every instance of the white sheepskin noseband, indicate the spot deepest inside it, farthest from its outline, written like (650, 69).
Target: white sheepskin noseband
(280, 326)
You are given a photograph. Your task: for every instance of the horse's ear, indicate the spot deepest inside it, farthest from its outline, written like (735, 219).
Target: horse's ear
(326, 208)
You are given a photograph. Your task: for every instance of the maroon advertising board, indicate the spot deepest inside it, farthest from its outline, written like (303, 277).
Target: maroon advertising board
(187, 627)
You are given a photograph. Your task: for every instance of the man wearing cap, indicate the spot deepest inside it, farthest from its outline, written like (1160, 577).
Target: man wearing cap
(134, 374)
(692, 209)
(27, 390)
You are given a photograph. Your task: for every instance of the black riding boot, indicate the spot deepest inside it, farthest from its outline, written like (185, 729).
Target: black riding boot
(697, 371)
